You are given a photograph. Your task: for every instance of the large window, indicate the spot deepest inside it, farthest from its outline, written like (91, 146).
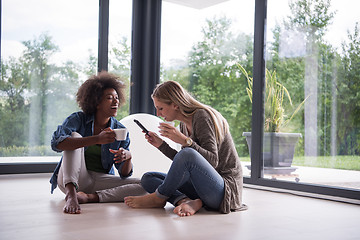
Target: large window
(47, 50)
(313, 59)
(203, 50)
(120, 17)
(312, 56)
(311, 77)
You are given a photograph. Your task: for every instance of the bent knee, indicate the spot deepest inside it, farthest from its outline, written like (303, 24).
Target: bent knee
(187, 153)
(76, 135)
(145, 177)
(148, 177)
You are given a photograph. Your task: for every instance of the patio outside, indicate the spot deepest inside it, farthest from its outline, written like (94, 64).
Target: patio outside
(315, 175)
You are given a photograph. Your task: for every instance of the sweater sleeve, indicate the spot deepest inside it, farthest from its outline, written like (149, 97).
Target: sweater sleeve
(167, 150)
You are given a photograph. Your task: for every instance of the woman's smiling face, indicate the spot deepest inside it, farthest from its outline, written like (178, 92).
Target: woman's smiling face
(167, 111)
(109, 103)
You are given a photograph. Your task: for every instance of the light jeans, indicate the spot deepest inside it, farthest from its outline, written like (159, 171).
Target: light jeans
(190, 175)
(113, 188)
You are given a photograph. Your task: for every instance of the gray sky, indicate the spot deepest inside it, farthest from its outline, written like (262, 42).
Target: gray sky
(73, 24)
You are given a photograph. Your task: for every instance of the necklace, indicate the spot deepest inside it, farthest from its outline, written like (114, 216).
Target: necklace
(101, 128)
(98, 127)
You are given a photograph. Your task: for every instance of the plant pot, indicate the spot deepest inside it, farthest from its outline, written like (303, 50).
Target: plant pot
(278, 148)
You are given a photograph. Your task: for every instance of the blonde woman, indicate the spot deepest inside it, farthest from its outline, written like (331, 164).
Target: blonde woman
(206, 171)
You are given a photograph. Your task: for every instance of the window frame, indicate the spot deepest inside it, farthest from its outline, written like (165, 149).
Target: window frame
(256, 177)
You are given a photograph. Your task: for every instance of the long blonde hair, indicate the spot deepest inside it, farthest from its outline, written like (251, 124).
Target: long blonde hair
(172, 92)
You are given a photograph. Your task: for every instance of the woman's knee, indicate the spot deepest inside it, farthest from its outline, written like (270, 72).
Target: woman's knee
(75, 152)
(151, 176)
(186, 154)
(76, 135)
(146, 177)
(151, 180)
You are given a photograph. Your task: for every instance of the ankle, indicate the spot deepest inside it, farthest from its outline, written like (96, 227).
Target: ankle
(94, 198)
(199, 203)
(182, 201)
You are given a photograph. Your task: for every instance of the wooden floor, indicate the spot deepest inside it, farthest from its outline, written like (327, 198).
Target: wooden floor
(29, 211)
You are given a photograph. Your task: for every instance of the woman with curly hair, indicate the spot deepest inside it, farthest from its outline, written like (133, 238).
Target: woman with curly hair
(90, 150)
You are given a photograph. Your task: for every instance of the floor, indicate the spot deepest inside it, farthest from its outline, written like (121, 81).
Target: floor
(29, 211)
(320, 176)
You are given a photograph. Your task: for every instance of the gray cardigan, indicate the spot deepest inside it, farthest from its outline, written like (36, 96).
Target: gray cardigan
(223, 157)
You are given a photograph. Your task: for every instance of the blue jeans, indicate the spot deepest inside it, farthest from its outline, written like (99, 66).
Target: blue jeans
(190, 175)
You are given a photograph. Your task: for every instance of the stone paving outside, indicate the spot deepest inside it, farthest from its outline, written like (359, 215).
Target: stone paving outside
(322, 176)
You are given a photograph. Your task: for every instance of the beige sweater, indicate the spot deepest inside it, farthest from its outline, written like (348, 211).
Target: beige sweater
(222, 157)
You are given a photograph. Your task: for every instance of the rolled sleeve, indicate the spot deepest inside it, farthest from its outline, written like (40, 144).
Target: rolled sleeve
(120, 169)
(71, 124)
(58, 136)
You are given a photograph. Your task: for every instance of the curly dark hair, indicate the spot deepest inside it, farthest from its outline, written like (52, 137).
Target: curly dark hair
(91, 91)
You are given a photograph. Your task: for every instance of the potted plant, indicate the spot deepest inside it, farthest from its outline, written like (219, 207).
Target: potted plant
(279, 147)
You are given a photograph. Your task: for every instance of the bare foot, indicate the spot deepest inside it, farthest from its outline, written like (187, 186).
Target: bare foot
(146, 201)
(188, 208)
(72, 205)
(87, 198)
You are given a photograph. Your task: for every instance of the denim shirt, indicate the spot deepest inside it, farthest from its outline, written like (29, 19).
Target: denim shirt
(84, 124)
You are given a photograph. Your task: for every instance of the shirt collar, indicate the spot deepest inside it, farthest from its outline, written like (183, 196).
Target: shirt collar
(90, 120)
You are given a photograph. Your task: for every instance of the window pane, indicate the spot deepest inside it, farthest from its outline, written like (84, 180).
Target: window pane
(120, 17)
(313, 57)
(48, 49)
(202, 49)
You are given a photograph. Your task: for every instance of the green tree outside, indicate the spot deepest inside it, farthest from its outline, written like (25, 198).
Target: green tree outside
(36, 94)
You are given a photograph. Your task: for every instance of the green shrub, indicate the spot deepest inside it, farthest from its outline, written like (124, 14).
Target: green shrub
(18, 151)
(336, 162)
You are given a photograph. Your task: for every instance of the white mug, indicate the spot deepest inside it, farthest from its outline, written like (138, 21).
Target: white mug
(170, 123)
(120, 133)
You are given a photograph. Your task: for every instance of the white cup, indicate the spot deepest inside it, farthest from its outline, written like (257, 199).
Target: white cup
(170, 123)
(120, 133)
